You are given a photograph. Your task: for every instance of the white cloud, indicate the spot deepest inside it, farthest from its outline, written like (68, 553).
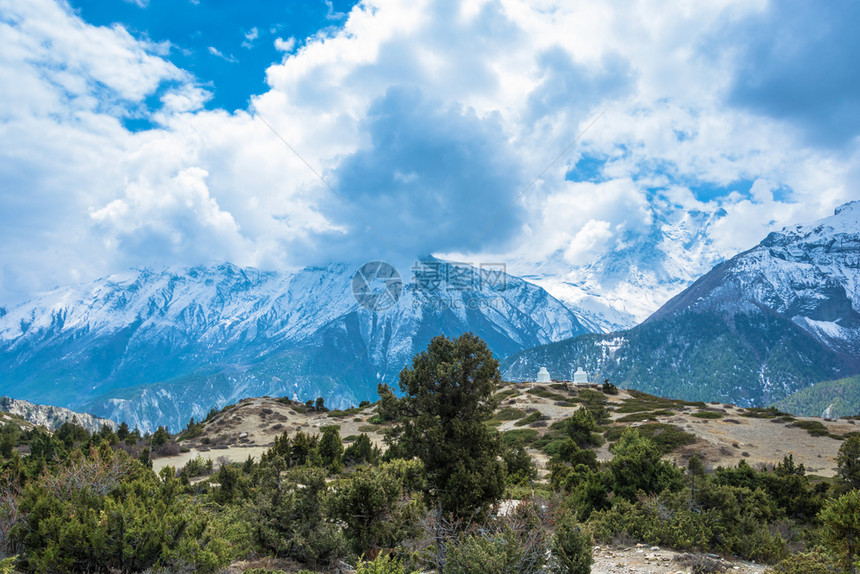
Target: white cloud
(217, 53)
(250, 36)
(591, 241)
(287, 45)
(393, 110)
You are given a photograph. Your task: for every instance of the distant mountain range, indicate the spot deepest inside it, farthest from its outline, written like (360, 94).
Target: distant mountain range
(752, 331)
(157, 347)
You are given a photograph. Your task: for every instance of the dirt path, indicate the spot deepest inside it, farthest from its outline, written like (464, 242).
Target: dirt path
(653, 560)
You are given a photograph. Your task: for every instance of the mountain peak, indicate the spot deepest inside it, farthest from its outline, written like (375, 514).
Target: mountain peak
(851, 208)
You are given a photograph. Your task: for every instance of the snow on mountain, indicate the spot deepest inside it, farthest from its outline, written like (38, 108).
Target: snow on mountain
(157, 347)
(809, 274)
(756, 328)
(624, 286)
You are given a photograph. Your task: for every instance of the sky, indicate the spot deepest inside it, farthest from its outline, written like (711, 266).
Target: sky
(279, 135)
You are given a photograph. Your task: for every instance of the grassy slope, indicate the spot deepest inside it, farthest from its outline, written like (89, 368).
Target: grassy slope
(843, 395)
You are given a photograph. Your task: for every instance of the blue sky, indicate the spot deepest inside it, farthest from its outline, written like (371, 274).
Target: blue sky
(227, 45)
(176, 132)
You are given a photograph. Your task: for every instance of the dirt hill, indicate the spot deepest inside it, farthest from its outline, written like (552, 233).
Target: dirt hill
(721, 434)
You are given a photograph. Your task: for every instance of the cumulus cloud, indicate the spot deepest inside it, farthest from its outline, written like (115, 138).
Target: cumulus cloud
(170, 218)
(433, 177)
(793, 64)
(287, 45)
(441, 125)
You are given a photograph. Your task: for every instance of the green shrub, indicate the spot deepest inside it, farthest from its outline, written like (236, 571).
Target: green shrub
(105, 510)
(590, 396)
(502, 550)
(520, 467)
(667, 437)
(609, 388)
(612, 434)
(533, 417)
(813, 562)
(720, 519)
(375, 505)
(637, 467)
(643, 416)
(708, 415)
(519, 436)
(289, 516)
(841, 520)
(848, 461)
(508, 414)
(815, 428)
(570, 547)
(382, 565)
(546, 394)
(766, 413)
(506, 394)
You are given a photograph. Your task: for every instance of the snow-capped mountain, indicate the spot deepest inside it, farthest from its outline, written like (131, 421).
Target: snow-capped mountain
(807, 274)
(157, 347)
(756, 328)
(625, 285)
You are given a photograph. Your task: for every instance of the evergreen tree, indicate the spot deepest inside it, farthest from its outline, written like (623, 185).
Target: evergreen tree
(330, 449)
(362, 450)
(637, 466)
(122, 432)
(376, 508)
(448, 397)
(841, 518)
(848, 461)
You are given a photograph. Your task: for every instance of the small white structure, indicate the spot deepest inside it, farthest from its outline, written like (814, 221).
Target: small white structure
(580, 377)
(543, 376)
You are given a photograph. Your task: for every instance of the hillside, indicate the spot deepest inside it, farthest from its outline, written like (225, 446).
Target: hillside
(721, 434)
(735, 444)
(830, 399)
(755, 329)
(51, 417)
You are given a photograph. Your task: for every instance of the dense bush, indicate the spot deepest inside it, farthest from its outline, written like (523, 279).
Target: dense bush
(376, 505)
(105, 511)
(290, 517)
(570, 547)
(382, 565)
(514, 545)
(636, 467)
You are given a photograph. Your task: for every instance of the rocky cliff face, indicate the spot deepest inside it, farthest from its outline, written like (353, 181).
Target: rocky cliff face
(52, 417)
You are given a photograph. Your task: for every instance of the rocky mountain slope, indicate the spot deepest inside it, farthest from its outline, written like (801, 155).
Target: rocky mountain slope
(52, 417)
(157, 347)
(755, 329)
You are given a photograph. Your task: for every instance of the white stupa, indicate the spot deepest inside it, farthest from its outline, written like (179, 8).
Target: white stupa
(543, 376)
(580, 377)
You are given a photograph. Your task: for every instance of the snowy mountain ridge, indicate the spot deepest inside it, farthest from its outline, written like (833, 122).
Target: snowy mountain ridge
(156, 347)
(756, 328)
